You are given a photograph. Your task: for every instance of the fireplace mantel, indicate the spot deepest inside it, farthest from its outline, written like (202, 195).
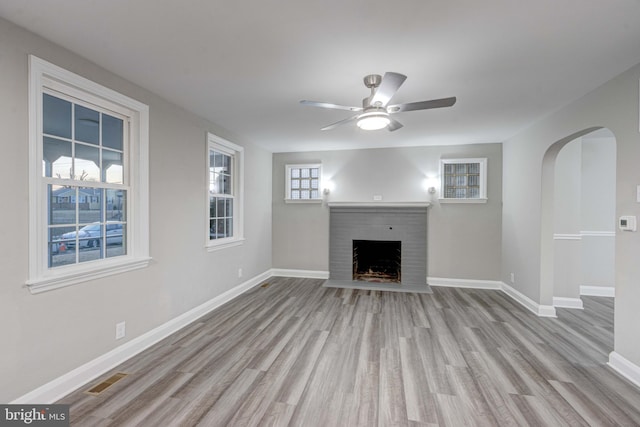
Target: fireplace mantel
(378, 204)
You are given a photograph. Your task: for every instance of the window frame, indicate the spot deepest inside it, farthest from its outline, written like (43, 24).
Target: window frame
(287, 190)
(236, 152)
(45, 77)
(482, 197)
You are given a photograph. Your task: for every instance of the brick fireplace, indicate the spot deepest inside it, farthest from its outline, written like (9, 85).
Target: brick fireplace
(378, 244)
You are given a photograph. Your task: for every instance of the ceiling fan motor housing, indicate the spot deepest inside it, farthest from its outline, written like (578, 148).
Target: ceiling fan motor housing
(372, 81)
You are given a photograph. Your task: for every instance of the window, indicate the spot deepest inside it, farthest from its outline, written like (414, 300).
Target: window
(303, 183)
(224, 195)
(88, 179)
(463, 180)
(83, 159)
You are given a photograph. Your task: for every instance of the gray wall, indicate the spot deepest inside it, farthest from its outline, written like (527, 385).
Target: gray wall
(567, 221)
(463, 239)
(528, 193)
(568, 195)
(49, 334)
(598, 183)
(598, 210)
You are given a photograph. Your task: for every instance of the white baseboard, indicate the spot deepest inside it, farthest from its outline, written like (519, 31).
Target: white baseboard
(464, 283)
(307, 274)
(67, 383)
(564, 302)
(528, 303)
(598, 291)
(624, 367)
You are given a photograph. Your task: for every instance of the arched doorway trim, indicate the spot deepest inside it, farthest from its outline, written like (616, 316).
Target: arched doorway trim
(547, 214)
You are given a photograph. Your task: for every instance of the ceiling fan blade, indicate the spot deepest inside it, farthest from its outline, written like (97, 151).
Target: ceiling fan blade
(422, 105)
(329, 105)
(341, 122)
(393, 125)
(390, 84)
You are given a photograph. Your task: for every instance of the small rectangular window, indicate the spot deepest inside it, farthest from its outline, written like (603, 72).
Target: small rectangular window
(463, 180)
(303, 183)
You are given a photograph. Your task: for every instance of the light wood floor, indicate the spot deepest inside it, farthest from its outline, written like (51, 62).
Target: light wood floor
(295, 353)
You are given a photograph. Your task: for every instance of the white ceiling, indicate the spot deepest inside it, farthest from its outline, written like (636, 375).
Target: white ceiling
(246, 64)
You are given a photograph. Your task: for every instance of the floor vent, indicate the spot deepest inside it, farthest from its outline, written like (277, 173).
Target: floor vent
(97, 389)
(265, 285)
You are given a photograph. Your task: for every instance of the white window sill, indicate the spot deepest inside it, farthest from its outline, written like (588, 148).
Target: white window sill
(84, 273)
(223, 244)
(463, 200)
(296, 201)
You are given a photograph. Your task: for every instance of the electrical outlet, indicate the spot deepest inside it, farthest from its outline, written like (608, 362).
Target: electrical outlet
(513, 278)
(120, 330)
(239, 272)
(377, 197)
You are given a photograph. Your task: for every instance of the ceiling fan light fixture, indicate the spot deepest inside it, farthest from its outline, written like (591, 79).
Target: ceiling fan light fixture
(375, 111)
(373, 121)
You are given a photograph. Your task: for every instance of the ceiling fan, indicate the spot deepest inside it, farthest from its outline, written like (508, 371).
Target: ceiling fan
(375, 113)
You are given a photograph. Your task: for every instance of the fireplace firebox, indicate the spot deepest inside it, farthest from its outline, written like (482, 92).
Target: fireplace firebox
(377, 261)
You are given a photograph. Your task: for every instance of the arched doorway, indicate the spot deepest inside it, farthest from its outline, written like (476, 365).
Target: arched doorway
(578, 217)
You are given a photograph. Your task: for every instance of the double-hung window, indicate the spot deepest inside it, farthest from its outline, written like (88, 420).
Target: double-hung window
(88, 179)
(463, 180)
(224, 193)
